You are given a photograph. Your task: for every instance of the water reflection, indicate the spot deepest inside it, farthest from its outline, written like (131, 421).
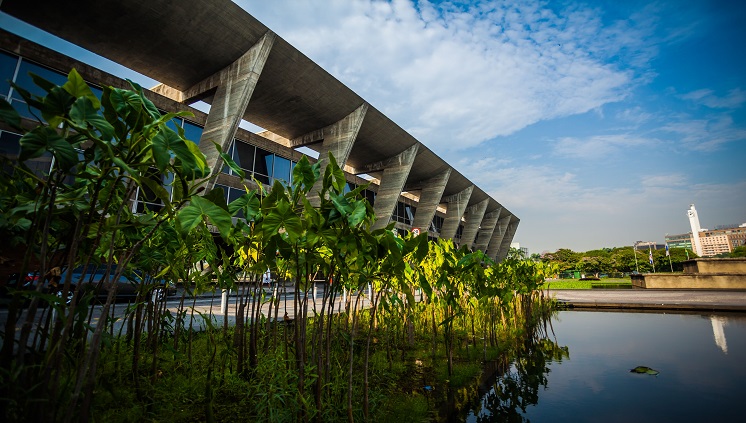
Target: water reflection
(718, 323)
(520, 386)
(699, 380)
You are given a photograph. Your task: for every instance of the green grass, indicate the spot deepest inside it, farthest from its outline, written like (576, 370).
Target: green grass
(578, 284)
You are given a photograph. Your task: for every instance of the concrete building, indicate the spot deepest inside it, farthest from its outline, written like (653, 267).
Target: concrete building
(680, 241)
(713, 242)
(214, 51)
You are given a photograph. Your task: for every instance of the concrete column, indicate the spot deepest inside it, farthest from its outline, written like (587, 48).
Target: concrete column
(234, 89)
(487, 229)
(508, 238)
(497, 237)
(432, 192)
(395, 172)
(456, 207)
(474, 216)
(338, 139)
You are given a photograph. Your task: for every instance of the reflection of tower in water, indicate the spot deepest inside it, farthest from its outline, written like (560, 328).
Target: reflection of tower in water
(718, 323)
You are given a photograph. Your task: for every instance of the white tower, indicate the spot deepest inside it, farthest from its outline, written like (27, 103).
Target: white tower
(694, 222)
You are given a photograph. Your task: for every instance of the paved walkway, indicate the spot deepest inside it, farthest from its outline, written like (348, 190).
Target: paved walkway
(658, 299)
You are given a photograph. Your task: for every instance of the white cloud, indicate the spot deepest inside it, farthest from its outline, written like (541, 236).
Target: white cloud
(706, 133)
(455, 77)
(734, 99)
(599, 146)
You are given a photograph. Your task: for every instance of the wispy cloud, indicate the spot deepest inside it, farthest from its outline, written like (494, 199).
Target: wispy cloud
(457, 76)
(734, 99)
(599, 146)
(706, 133)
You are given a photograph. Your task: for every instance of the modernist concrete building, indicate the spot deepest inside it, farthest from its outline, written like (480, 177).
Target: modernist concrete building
(214, 51)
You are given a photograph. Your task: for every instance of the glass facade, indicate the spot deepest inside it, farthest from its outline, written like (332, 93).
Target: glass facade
(8, 64)
(404, 213)
(264, 166)
(436, 224)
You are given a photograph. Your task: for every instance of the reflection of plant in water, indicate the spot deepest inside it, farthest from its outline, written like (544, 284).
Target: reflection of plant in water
(519, 387)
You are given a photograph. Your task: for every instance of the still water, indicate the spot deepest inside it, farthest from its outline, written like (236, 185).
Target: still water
(701, 359)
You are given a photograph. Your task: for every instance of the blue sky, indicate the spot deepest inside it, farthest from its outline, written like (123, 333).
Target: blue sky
(597, 123)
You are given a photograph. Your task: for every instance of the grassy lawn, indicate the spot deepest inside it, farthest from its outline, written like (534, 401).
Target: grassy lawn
(578, 284)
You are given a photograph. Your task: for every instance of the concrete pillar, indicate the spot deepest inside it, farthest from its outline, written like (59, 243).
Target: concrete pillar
(487, 229)
(395, 172)
(497, 236)
(338, 139)
(430, 196)
(456, 207)
(508, 238)
(235, 85)
(474, 216)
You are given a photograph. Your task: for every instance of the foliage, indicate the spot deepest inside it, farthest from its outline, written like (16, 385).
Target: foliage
(383, 294)
(618, 260)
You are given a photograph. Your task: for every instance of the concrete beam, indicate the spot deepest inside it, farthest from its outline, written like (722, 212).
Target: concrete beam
(508, 238)
(338, 139)
(497, 237)
(395, 172)
(487, 229)
(430, 196)
(233, 93)
(456, 207)
(474, 216)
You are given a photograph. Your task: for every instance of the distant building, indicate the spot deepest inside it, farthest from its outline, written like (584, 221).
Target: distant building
(713, 242)
(524, 250)
(680, 241)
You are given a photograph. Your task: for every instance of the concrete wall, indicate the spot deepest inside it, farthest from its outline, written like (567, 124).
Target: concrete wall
(689, 281)
(716, 265)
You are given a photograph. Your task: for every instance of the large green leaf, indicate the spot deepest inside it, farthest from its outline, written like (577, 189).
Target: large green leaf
(248, 202)
(282, 217)
(200, 209)
(358, 214)
(305, 174)
(42, 139)
(84, 112)
(55, 106)
(157, 189)
(125, 101)
(167, 141)
(77, 88)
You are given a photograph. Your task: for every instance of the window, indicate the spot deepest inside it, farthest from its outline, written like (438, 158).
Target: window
(403, 213)
(436, 224)
(24, 80)
(8, 64)
(263, 165)
(145, 198)
(281, 169)
(192, 132)
(243, 155)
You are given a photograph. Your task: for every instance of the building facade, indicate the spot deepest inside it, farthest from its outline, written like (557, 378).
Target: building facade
(713, 242)
(213, 51)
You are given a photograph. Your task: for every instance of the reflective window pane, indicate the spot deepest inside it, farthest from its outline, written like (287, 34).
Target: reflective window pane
(192, 132)
(281, 169)
(7, 69)
(24, 80)
(243, 155)
(263, 162)
(9, 146)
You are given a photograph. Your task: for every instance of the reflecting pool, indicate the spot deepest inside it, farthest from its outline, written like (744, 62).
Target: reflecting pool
(701, 360)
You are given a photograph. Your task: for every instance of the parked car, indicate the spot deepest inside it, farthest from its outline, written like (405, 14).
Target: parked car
(128, 285)
(29, 282)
